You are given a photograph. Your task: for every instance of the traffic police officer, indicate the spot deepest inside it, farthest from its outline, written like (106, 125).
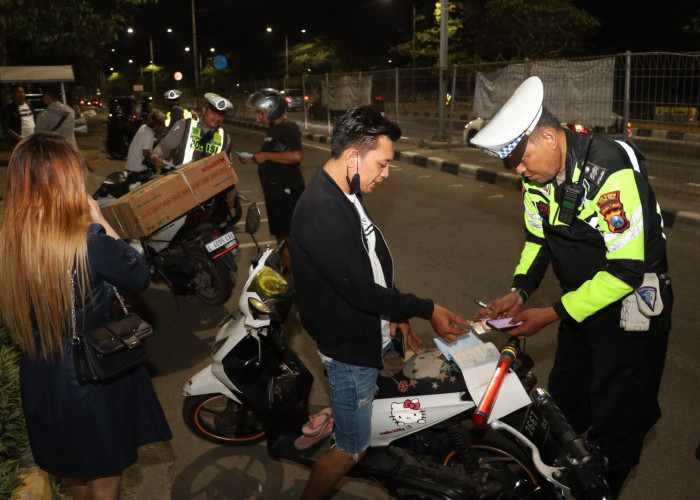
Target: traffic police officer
(591, 214)
(191, 139)
(176, 113)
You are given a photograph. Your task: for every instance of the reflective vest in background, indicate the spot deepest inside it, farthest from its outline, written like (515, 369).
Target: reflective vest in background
(191, 143)
(186, 113)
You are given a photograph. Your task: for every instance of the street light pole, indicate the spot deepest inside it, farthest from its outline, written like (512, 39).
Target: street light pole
(413, 54)
(194, 47)
(286, 60)
(444, 10)
(153, 73)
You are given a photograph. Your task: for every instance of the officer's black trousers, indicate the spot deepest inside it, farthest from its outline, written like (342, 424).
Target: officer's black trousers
(607, 380)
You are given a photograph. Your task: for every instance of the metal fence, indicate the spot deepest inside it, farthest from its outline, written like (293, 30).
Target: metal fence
(658, 94)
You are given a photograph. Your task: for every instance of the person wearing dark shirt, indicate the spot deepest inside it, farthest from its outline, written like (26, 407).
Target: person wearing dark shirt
(18, 116)
(279, 165)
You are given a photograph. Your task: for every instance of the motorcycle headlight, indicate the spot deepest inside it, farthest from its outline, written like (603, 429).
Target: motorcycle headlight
(268, 283)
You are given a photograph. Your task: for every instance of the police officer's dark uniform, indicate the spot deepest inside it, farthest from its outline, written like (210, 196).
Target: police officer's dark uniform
(608, 250)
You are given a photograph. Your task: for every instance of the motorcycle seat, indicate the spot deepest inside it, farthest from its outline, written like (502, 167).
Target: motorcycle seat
(450, 379)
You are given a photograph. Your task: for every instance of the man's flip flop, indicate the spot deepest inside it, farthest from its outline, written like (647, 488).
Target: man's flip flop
(304, 441)
(317, 423)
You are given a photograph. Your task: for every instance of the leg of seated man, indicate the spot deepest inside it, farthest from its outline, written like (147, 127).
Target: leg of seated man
(352, 390)
(326, 473)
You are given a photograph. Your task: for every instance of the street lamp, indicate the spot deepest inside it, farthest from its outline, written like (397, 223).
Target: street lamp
(286, 54)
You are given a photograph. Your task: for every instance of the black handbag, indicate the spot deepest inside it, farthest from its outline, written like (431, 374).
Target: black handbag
(112, 349)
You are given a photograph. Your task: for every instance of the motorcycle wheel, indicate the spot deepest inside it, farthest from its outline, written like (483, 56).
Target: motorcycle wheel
(506, 462)
(218, 419)
(212, 281)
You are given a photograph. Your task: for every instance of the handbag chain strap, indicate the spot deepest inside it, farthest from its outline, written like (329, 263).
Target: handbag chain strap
(75, 339)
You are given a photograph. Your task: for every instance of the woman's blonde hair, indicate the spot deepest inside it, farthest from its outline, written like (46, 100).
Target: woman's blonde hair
(43, 239)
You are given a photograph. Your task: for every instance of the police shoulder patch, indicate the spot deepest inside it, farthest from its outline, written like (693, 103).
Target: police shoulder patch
(612, 209)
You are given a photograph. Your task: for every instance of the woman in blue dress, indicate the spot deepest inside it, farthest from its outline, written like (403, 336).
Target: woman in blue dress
(85, 433)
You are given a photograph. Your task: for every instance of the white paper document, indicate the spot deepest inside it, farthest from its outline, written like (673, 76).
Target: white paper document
(463, 342)
(478, 365)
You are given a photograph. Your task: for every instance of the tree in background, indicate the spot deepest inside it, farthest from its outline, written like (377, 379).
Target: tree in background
(535, 29)
(37, 32)
(494, 30)
(319, 55)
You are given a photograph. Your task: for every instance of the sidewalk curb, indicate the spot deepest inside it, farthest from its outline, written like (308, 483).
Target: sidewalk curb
(681, 219)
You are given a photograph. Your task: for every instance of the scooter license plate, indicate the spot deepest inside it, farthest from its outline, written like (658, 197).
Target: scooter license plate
(225, 240)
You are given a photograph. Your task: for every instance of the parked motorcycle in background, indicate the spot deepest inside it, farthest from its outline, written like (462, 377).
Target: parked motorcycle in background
(423, 446)
(122, 125)
(194, 254)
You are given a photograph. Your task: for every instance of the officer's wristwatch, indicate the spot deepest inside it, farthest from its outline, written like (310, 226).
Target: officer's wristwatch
(523, 294)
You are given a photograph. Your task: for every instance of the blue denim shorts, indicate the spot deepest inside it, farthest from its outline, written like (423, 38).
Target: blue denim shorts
(352, 390)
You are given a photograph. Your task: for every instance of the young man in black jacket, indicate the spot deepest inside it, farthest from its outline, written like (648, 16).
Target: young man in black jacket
(344, 280)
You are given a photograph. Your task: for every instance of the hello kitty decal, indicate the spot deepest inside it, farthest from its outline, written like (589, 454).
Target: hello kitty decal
(407, 412)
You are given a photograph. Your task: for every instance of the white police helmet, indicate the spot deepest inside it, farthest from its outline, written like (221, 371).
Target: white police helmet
(270, 100)
(172, 94)
(506, 135)
(218, 103)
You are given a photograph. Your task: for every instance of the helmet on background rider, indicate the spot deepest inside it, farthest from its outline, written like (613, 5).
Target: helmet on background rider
(268, 99)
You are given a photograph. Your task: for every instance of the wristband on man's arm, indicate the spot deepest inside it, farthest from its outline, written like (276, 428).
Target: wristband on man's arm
(523, 294)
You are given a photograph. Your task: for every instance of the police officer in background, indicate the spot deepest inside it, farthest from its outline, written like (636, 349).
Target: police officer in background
(175, 112)
(591, 214)
(192, 139)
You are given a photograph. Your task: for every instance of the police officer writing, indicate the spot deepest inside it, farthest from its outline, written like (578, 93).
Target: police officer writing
(192, 139)
(279, 165)
(591, 214)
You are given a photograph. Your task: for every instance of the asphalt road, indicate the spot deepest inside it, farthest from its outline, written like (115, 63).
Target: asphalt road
(452, 238)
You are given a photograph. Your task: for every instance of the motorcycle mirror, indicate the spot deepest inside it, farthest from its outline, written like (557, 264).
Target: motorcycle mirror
(252, 219)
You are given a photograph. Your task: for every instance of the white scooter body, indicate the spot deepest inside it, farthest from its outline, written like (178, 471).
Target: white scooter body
(392, 418)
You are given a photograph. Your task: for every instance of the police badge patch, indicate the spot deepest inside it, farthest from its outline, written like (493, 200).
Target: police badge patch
(612, 210)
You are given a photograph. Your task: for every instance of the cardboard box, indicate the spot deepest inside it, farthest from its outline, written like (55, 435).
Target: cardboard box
(165, 198)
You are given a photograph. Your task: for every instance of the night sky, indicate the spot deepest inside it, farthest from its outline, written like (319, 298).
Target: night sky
(238, 28)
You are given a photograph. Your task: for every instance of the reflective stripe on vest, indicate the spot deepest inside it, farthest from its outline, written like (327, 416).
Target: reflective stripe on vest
(191, 140)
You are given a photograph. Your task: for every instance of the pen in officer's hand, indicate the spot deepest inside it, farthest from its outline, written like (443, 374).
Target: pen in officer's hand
(481, 303)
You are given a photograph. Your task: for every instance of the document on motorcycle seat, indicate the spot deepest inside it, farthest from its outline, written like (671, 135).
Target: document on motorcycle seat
(478, 365)
(463, 342)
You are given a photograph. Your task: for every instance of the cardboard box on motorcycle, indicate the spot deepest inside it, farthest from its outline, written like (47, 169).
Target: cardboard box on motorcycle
(165, 198)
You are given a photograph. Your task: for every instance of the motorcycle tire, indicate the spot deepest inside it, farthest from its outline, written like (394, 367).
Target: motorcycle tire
(220, 420)
(506, 460)
(212, 282)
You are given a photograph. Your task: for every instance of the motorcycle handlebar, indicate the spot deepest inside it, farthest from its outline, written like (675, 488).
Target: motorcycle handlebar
(587, 463)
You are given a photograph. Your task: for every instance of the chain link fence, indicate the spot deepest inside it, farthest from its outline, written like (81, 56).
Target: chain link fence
(656, 94)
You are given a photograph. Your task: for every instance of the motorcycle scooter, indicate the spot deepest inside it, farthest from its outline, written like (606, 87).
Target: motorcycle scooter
(194, 254)
(424, 443)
